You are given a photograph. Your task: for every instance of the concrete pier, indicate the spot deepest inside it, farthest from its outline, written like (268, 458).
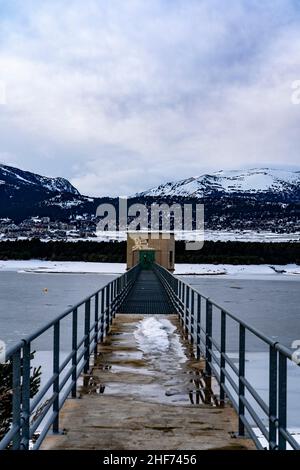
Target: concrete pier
(147, 391)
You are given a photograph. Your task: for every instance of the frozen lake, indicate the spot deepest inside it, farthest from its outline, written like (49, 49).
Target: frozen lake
(270, 303)
(26, 305)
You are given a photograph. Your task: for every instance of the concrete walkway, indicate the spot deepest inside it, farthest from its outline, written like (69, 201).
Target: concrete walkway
(146, 391)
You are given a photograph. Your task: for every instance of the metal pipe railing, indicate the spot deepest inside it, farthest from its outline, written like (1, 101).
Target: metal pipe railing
(65, 374)
(188, 303)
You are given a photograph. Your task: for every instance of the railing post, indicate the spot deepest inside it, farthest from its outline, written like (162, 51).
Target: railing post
(192, 316)
(183, 303)
(16, 398)
(96, 324)
(272, 398)
(182, 306)
(107, 307)
(102, 316)
(111, 292)
(242, 345)
(186, 310)
(115, 297)
(176, 286)
(208, 334)
(56, 347)
(179, 299)
(198, 326)
(222, 357)
(74, 350)
(112, 297)
(87, 322)
(26, 396)
(282, 400)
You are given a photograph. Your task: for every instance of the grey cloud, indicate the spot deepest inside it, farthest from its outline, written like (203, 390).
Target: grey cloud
(120, 96)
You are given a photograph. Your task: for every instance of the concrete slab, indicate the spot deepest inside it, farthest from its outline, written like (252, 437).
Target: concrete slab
(140, 396)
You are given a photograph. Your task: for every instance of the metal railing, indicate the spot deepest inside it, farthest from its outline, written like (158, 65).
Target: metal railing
(232, 378)
(25, 431)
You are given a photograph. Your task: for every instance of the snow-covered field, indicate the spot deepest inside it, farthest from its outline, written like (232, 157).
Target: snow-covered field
(236, 270)
(75, 267)
(209, 235)
(80, 267)
(250, 236)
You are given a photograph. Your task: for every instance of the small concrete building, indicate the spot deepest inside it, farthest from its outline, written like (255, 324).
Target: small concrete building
(146, 248)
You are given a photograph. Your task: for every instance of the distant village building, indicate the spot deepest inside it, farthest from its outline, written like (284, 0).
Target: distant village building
(149, 248)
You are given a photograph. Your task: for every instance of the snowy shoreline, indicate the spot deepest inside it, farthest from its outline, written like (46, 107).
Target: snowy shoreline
(80, 267)
(251, 236)
(239, 269)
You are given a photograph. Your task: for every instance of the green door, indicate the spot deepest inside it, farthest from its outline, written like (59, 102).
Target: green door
(147, 258)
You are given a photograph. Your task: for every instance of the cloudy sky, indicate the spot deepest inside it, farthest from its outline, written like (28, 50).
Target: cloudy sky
(122, 95)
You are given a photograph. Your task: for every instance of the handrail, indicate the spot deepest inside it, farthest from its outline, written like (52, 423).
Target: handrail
(188, 303)
(29, 413)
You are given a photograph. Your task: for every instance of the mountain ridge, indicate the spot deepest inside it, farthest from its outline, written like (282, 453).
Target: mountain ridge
(234, 182)
(15, 176)
(255, 199)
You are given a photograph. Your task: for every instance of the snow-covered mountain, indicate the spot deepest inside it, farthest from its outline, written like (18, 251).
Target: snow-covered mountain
(253, 181)
(14, 178)
(257, 199)
(24, 194)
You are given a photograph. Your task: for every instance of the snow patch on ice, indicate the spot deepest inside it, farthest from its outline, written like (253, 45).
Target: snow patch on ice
(295, 432)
